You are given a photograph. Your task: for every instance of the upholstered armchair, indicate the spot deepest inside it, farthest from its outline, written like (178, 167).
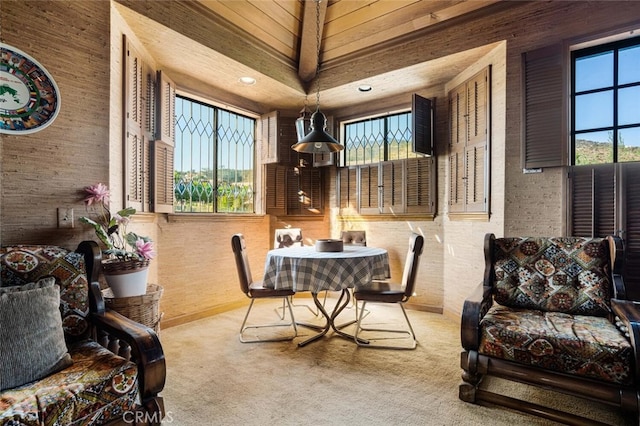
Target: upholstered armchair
(552, 312)
(66, 359)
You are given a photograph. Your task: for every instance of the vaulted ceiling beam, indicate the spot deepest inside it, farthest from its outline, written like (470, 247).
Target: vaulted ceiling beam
(309, 39)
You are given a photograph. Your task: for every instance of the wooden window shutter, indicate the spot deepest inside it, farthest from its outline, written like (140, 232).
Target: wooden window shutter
(419, 185)
(477, 108)
(545, 142)
(392, 185)
(631, 229)
(292, 186)
(369, 192)
(163, 146)
(311, 187)
(275, 196)
(593, 200)
(477, 142)
(268, 137)
(135, 150)
(162, 177)
(475, 197)
(422, 121)
(457, 142)
(348, 187)
(166, 105)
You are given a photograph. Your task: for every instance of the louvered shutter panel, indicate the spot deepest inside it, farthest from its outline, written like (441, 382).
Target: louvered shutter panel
(348, 189)
(593, 206)
(475, 197)
(369, 191)
(422, 121)
(310, 185)
(544, 140)
(166, 105)
(163, 177)
(136, 156)
(419, 185)
(477, 108)
(275, 194)
(477, 138)
(631, 229)
(163, 146)
(457, 141)
(391, 181)
(293, 185)
(269, 137)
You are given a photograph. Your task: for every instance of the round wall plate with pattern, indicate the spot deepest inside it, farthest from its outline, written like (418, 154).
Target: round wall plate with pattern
(29, 97)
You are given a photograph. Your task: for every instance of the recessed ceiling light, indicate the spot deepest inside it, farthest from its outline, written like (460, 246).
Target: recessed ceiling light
(364, 88)
(247, 80)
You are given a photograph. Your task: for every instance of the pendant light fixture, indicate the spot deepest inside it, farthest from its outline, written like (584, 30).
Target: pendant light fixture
(317, 140)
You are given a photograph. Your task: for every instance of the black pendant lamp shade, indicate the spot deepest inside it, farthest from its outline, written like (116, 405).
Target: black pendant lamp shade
(318, 140)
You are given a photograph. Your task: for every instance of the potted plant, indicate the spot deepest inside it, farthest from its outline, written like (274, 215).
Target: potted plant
(128, 254)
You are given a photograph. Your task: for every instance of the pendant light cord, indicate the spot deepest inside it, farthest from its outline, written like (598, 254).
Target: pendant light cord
(318, 55)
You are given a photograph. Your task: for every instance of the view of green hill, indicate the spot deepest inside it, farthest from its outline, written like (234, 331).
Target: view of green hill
(591, 152)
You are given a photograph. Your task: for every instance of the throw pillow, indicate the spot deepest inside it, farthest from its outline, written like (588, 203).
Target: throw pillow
(32, 342)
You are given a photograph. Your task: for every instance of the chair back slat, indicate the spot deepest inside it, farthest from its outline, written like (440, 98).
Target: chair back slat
(242, 262)
(354, 238)
(288, 237)
(416, 244)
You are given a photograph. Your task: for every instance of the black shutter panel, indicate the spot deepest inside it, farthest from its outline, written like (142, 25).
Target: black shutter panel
(631, 234)
(593, 200)
(544, 141)
(422, 119)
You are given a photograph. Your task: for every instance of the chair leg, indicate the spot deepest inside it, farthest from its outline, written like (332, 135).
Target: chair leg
(245, 327)
(412, 341)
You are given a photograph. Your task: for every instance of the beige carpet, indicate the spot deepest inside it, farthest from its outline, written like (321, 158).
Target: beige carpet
(213, 379)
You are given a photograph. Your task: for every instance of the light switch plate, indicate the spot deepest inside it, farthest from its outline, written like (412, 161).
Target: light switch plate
(65, 217)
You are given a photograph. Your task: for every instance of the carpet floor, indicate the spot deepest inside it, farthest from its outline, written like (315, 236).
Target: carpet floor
(214, 379)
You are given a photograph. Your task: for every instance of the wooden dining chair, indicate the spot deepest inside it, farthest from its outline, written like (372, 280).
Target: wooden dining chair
(288, 237)
(254, 290)
(354, 237)
(385, 292)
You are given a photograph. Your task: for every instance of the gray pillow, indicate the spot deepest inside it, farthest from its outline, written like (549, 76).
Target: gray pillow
(32, 342)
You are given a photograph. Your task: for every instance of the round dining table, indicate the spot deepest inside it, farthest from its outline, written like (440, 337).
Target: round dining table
(306, 269)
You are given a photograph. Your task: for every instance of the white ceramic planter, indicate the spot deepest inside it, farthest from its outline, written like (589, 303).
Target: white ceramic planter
(129, 284)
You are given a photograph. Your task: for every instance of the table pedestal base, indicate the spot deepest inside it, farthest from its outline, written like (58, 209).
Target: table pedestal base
(340, 305)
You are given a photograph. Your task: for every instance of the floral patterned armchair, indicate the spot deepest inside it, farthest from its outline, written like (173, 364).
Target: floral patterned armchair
(107, 369)
(551, 312)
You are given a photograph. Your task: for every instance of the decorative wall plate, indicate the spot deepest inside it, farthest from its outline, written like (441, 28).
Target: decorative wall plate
(29, 97)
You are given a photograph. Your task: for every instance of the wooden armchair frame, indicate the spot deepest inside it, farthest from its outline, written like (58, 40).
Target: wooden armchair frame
(626, 316)
(129, 339)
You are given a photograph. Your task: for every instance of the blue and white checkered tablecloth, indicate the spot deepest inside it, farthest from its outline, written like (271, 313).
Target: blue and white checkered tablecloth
(305, 269)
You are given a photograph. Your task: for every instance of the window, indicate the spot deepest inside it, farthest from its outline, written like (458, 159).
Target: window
(604, 177)
(382, 173)
(378, 139)
(605, 119)
(214, 159)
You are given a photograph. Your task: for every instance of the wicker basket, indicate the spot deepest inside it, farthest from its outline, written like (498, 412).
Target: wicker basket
(144, 309)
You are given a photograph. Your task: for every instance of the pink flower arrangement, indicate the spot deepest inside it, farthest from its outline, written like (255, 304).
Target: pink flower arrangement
(112, 230)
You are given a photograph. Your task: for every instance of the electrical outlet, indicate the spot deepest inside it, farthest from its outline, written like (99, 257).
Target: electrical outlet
(65, 217)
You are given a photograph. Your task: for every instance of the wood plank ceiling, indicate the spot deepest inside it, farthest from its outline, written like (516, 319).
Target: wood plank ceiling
(275, 42)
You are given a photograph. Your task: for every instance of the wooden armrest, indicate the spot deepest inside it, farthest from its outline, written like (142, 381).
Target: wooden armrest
(145, 346)
(627, 319)
(475, 307)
